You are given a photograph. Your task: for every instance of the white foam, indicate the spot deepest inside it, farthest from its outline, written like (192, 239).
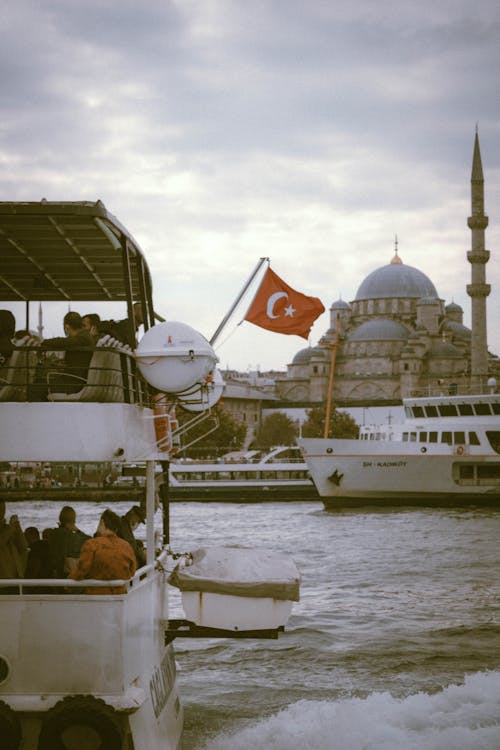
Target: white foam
(460, 717)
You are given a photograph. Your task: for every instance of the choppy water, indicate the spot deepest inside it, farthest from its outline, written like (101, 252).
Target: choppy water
(394, 645)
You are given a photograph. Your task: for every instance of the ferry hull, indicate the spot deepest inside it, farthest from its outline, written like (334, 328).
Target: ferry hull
(345, 477)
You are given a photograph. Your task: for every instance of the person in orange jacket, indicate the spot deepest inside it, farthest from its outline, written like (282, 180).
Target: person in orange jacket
(106, 557)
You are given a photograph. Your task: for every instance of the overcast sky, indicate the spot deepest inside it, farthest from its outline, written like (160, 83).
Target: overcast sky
(217, 132)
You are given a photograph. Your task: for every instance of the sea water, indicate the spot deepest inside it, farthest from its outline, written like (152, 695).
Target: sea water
(394, 645)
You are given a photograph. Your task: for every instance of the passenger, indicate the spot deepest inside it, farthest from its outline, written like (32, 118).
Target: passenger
(13, 548)
(7, 331)
(65, 543)
(92, 322)
(77, 346)
(106, 557)
(121, 329)
(128, 524)
(38, 565)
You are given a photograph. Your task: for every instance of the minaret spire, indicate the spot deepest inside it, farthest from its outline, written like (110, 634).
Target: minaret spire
(478, 256)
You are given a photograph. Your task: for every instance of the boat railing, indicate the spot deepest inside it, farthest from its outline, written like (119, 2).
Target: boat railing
(484, 388)
(36, 374)
(30, 585)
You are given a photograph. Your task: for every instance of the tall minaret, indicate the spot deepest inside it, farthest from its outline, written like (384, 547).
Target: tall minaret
(478, 290)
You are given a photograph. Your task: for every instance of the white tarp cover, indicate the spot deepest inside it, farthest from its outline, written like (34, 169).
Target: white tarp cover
(239, 571)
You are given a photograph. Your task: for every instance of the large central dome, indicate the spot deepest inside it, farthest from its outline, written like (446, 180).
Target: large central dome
(396, 280)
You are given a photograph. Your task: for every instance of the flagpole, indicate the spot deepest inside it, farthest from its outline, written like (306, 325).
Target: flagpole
(330, 380)
(237, 301)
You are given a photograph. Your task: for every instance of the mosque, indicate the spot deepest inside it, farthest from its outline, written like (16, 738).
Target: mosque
(398, 338)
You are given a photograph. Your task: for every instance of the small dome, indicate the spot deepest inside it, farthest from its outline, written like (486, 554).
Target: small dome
(444, 350)
(396, 280)
(340, 305)
(457, 329)
(429, 300)
(453, 307)
(381, 329)
(318, 352)
(302, 357)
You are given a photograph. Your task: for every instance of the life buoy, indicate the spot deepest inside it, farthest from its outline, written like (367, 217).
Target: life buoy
(10, 728)
(80, 713)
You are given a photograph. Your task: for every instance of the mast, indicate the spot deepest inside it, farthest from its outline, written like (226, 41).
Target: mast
(330, 379)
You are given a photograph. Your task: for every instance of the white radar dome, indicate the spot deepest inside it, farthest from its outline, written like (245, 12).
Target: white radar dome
(173, 357)
(203, 395)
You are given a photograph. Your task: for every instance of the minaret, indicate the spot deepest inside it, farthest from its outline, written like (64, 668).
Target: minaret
(478, 290)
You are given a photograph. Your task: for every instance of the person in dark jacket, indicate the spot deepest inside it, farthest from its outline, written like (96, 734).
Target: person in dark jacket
(65, 543)
(128, 524)
(78, 346)
(7, 331)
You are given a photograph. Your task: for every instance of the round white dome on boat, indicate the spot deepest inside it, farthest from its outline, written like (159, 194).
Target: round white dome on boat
(173, 357)
(203, 396)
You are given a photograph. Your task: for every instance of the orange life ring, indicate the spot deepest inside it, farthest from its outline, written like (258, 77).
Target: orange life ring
(161, 418)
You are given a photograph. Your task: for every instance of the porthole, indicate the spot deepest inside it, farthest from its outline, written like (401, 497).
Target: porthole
(329, 450)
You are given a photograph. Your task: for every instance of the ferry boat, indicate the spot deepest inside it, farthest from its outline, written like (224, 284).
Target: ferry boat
(445, 451)
(280, 474)
(81, 670)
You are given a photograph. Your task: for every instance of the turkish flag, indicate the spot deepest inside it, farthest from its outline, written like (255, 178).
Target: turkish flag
(279, 308)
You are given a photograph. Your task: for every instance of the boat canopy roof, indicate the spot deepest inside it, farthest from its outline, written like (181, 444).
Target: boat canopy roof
(70, 250)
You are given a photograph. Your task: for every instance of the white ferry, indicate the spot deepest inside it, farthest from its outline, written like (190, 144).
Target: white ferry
(81, 670)
(444, 452)
(280, 474)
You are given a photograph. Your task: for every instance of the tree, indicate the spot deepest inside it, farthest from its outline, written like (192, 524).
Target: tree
(342, 425)
(276, 429)
(229, 435)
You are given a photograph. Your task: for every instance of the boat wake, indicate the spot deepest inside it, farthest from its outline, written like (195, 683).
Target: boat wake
(463, 717)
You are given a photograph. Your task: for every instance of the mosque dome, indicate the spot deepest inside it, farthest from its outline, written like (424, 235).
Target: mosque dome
(429, 300)
(444, 350)
(396, 280)
(453, 307)
(381, 329)
(340, 305)
(318, 351)
(302, 357)
(457, 329)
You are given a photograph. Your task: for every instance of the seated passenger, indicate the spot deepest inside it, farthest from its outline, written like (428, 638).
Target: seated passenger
(106, 557)
(13, 548)
(91, 322)
(65, 543)
(78, 346)
(38, 565)
(128, 524)
(7, 331)
(123, 330)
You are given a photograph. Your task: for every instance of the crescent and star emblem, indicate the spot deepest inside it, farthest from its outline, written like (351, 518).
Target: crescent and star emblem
(289, 311)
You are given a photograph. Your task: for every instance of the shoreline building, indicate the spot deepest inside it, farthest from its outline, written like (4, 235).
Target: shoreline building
(398, 337)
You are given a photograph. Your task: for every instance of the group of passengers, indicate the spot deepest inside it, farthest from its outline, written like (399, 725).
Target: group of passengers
(113, 553)
(68, 362)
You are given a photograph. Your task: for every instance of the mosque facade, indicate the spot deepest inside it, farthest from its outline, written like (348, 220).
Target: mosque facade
(398, 338)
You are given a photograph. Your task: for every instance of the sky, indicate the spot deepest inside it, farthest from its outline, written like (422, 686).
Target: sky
(218, 132)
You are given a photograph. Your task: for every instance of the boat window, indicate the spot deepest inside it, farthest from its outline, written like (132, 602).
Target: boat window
(473, 439)
(488, 471)
(418, 411)
(431, 411)
(447, 410)
(466, 471)
(465, 410)
(413, 437)
(408, 412)
(494, 439)
(446, 437)
(422, 437)
(459, 438)
(405, 437)
(482, 409)
(433, 437)
(496, 407)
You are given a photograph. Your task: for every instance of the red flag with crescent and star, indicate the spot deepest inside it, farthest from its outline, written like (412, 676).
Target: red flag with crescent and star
(279, 308)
